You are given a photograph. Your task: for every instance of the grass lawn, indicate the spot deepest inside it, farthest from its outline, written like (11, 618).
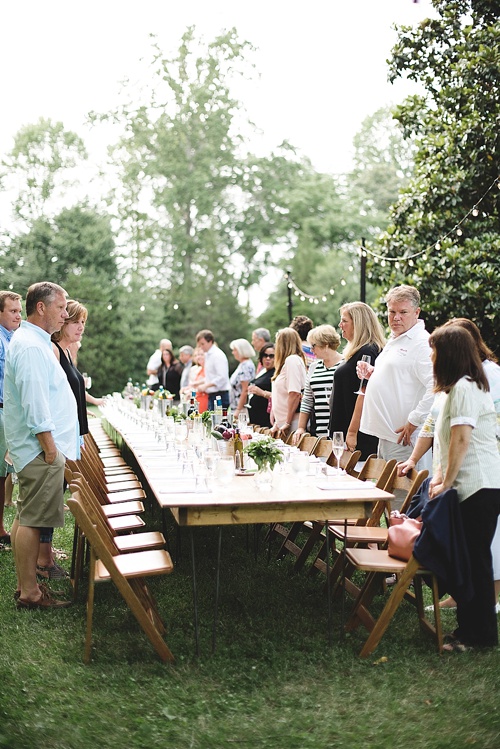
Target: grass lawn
(273, 682)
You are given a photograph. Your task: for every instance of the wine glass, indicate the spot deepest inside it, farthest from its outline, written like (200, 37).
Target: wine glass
(338, 448)
(367, 360)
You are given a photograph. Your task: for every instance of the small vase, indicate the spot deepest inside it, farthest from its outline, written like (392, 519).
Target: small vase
(264, 478)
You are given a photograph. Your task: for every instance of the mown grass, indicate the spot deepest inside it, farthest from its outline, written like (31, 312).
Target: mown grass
(273, 682)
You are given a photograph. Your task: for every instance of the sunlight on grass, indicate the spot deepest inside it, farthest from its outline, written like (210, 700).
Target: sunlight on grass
(273, 682)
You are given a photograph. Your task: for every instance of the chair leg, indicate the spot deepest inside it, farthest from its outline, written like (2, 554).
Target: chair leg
(76, 574)
(360, 613)
(289, 539)
(138, 609)
(390, 608)
(308, 546)
(90, 610)
(436, 630)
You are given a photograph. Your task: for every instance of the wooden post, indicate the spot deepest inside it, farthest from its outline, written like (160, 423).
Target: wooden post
(362, 290)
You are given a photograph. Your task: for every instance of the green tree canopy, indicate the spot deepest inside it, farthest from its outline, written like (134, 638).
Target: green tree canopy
(39, 161)
(455, 123)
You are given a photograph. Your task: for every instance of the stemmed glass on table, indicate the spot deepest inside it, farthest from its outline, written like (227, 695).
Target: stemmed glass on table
(338, 448)
(367, 360)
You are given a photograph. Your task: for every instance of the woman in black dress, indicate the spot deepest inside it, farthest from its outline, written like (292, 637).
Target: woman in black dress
(260, 388)
(69, 335)
(169, 373)
(365, 336)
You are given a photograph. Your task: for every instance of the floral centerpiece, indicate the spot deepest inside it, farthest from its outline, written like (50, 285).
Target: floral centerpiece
(265, 453)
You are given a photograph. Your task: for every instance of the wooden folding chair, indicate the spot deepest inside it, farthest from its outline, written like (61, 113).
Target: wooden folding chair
(323, 448)
(374, 469)
(108, 492)
(372, 533)
(307, 443)
(127, 571)
(378, 564)
(124, 544)
(313, 529)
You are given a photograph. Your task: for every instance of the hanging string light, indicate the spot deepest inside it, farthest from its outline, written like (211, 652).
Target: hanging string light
(436, 245)
(311, 298)
(364, 251)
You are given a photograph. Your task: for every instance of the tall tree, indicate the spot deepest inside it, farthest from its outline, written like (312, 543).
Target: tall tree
(455, 57)
(77, 250)
(178, 159)
(38, 166)
(383, 164)
(327, 217)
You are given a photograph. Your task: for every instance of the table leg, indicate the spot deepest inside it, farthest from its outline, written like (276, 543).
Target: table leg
(328, 582)
(195, 597)
(217, 588)
(344, 563)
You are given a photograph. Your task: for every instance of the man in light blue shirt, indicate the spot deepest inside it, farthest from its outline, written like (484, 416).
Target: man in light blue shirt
(10, 319)
(41, 429)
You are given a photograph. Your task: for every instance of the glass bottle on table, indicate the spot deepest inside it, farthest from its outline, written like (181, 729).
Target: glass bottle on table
(218, 410)
(238, 450)
(225, 419)
(193, 406)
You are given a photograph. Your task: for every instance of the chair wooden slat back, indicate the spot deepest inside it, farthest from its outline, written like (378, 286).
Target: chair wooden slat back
(408, 484)
(348, 461)
(307, 443)
(323, 448)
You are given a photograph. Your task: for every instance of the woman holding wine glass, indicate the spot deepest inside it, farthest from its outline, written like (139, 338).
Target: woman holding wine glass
(259, 389)
(365, 337)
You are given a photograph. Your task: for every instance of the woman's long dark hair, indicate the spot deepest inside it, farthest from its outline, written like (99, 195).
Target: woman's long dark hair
(455, 355)
(485, 353)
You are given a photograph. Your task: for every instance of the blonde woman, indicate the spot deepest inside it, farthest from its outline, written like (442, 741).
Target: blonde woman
(365, 336)
(62, 342)
(315, 406)
(243, 352)
(288, 381)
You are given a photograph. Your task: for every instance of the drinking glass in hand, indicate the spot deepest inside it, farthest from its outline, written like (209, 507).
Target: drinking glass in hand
(362, 370)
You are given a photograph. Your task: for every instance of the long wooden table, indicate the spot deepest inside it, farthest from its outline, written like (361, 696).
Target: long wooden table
(312, 498)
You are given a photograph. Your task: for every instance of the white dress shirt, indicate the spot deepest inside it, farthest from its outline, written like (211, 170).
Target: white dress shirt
(216, 369)
(400, 387)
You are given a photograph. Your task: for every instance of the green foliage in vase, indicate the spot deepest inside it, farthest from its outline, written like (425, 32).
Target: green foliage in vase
(264, 452)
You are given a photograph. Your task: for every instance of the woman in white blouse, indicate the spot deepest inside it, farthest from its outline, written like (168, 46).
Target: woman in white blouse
(469, 462)
(288, 381)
